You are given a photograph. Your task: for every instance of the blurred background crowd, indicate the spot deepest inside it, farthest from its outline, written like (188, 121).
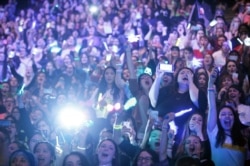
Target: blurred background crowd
(124, 82)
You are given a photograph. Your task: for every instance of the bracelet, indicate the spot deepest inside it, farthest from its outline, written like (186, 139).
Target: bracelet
(211, 89)
(117, 127)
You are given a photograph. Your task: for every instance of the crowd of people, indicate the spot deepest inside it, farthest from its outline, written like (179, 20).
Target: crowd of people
(124, 82)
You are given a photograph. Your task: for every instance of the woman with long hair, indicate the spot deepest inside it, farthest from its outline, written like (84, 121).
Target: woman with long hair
(223, 129)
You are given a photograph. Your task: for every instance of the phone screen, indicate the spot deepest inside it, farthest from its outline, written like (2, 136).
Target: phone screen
(166, 67)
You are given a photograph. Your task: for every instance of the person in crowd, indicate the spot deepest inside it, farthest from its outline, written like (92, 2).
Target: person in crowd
(146, 157)
(22, 157)
(184, 92)
(107, 153)
(224, 131)
(74, 159)
(45, 154)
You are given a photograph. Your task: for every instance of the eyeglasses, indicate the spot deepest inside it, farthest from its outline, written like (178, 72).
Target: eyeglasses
(147, 159)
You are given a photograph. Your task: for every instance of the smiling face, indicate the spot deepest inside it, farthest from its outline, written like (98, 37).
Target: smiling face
(144, 159)
(195, 120)
(154, 140)
(226, 118)
(233, 94)
(106, 152)
(109, 76)
(192, 146)
(43, 155)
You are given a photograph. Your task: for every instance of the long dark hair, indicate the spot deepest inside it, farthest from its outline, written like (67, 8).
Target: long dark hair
(237, 137)
(103, 85)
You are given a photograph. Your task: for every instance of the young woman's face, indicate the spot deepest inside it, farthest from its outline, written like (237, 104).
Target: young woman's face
(202, 81)
(43, 155)
(146, 81)
(154, 140)
(233, 94)
(84, 59)
(144, 159)
(231, 67)
(193, 146)
(183, 76)
(20, 160)
(226, 119)
(34, 140)
(227, 82)
(43, 127)
(73, 160)
(195, 120)
(109, 76)
(106, 152)
(207, 59)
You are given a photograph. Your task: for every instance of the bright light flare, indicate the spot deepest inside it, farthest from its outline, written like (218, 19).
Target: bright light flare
(93, 9)
(71, 117)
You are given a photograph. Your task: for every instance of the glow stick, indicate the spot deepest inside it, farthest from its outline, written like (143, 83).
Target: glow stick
(173, 127)
(182, 112)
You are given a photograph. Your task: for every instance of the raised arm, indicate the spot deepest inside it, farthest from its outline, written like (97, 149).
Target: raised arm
(212, 113)
(193, 90)
(166, 143)
(154, 90)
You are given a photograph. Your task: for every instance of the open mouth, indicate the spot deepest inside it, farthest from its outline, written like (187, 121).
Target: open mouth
(104, 155)
(157, 144)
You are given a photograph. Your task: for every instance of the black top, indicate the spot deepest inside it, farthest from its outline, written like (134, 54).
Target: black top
(172, 101)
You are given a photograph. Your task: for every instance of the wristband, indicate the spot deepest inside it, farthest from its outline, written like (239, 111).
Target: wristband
(117, 127)
(211, 89)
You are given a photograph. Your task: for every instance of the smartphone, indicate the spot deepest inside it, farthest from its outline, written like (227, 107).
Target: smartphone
(166, 67)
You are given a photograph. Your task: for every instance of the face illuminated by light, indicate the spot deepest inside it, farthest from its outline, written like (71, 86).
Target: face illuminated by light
(154, 140)
(106, 152)
(195, 120)
(182, 77)
(43, 155)
(226, 119)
